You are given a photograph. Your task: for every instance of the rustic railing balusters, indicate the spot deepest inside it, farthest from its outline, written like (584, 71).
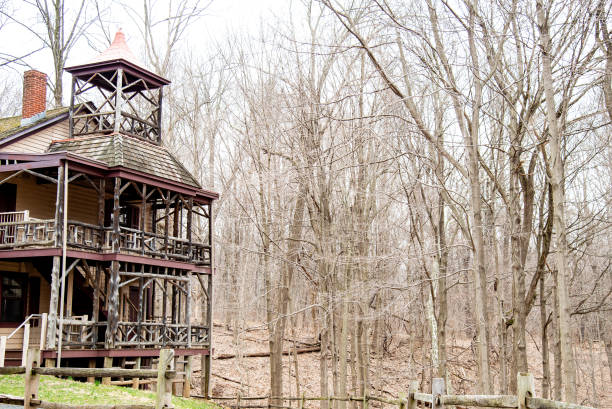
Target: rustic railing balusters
(15, 233)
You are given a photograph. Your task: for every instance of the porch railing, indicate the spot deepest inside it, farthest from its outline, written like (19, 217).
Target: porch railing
(18, 230)
(81, 332)
(158, 333)
(23, 233)
(156, 245)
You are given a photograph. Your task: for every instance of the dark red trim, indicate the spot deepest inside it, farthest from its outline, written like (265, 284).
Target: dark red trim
(91, 68)
(31, 165)
(50, 252)
(121, 353)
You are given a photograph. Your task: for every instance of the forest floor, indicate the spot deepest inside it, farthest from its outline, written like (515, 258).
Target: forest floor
(401, 362)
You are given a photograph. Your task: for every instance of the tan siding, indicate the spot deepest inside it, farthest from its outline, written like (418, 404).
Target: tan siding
(38, 142)
(83, 204)
(40, 199)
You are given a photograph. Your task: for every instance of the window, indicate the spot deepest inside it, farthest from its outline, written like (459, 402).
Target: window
(12, 297)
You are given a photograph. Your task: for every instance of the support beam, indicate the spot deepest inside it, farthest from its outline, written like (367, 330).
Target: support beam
(59, 206)
(96, 299)
(113, 306)
(118, 100)
(52, 318)
(101, 202)
(116, 214)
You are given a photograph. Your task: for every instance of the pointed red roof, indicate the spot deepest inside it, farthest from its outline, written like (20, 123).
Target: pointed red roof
(117, 50)
(118, 54)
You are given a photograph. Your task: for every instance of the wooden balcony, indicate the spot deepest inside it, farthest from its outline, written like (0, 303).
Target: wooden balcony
(78, 333)
(17, 231)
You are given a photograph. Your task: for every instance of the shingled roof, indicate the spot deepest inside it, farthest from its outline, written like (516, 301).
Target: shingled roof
(131, 153)
(12, 125)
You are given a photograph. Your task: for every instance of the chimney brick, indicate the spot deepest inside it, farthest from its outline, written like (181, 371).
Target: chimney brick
(34, 95)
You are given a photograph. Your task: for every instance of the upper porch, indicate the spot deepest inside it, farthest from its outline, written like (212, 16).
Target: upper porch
(20, 231)
(51, 203)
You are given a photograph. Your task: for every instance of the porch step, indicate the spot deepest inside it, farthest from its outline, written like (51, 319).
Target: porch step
(12, 357)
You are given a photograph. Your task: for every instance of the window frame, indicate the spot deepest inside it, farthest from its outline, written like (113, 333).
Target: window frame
(23, 279)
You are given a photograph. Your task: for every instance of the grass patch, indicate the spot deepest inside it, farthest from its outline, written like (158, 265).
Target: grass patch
(57, 390)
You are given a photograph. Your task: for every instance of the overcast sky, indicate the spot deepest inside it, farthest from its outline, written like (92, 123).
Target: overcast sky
(222, 17)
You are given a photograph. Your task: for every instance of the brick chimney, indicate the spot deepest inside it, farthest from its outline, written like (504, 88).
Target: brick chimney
(34, 97)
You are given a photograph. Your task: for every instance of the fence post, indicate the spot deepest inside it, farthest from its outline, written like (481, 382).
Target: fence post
(414, 388)
(108, 363)
(402, 400)
(163, 398)
(26, 343)
(31, 379)
(188, 369)
(525, 387)
(2, 349)
(437, 389)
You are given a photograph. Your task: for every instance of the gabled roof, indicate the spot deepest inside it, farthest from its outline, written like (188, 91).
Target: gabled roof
(131, 153)
(10, 128)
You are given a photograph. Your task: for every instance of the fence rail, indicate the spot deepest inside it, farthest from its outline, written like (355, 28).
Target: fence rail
(438, 399)
(163, 376)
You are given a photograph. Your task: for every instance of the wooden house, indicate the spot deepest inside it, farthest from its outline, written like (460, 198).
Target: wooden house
(105, 238)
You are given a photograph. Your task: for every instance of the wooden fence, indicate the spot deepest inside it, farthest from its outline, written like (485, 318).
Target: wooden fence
(524, 399)
(163, 376)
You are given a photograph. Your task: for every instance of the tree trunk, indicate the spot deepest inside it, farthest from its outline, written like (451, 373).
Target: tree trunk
(557, 183)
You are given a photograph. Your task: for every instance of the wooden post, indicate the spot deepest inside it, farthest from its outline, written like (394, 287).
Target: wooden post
(101, 206)
(143, 215)
(414, 388)
(26, 343)
(116, 214)
(525, 387)
(108, 363)
(59, 206)
(188, 311)
(188, 374)
(136, 381)
(118, 100)
(43, 331)
(69, 293)
(2, 349)
(91, 364)
(437, 389)
(96, 301)
(163, 398)
(52, 318)
(189, 226)
(166, 222)
(175, 385)
(113, 306)
(31, 380)
(402, 401)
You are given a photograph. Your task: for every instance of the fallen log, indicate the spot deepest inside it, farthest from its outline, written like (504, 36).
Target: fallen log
(266, 354)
